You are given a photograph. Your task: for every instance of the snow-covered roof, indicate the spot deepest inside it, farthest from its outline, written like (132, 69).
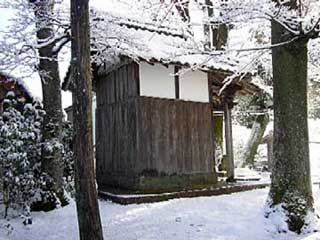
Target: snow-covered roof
(142, 35)
(9, 83)
(114, 36)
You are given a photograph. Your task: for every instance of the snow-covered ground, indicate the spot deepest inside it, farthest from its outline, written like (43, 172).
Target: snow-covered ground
(228, 217)
(237, 216)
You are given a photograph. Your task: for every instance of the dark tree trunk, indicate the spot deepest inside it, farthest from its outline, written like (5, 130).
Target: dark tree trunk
(52, 163)
(86, 192)
(291, 184)
(182, 8)
(220, 36)
(220, 32)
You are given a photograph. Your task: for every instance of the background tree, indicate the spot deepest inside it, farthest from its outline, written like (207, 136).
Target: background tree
(254, 113)
(31, 44)
(48, 67)
(313, 97)
(86, 192)
(258, 126)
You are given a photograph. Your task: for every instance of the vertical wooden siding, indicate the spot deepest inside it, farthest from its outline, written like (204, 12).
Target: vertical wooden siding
(143, 136)
(139, 136)
(116, 143)
(116, 123)
(118, 85)
(174, 136)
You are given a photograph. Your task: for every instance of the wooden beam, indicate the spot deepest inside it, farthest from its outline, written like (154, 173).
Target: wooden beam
(176, 81)
(136, 72)
(229, 141)
(213, 135)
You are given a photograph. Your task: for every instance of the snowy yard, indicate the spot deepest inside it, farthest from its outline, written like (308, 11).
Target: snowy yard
(227, 217)
(238, 216)
(167, 77)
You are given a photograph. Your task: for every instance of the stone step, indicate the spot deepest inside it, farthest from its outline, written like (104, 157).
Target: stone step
(126, 199)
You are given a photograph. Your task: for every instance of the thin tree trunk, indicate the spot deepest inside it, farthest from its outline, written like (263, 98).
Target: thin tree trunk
(291, 184)
(86, 192)
(52, 163)
(257, 132)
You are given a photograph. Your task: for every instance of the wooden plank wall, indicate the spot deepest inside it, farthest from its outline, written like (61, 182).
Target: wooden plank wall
(174, 136)
(143, 135)
(116, 143)
(116, 123)
(152, 136)
(118, 85)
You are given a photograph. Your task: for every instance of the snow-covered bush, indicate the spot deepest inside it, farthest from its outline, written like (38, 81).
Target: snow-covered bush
(68, 163)
(20, 154)
(23, 183)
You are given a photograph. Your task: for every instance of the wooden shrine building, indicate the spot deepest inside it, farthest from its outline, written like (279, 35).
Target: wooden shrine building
(155, 100)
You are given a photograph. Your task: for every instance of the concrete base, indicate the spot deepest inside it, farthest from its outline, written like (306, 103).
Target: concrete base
(159, 183)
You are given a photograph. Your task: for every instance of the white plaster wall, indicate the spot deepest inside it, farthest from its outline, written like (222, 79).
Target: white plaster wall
(194, 86)
(157, 81)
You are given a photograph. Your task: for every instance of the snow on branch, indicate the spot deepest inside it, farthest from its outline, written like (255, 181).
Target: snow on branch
(19, 42)
(301, 21)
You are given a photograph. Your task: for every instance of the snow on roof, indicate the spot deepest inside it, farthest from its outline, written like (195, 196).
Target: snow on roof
(10, 83)
(114, 36)
(135, 30)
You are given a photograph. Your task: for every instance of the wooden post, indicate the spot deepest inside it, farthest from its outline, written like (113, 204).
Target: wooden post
(229, 141)
(176, 82)
(209, 76)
